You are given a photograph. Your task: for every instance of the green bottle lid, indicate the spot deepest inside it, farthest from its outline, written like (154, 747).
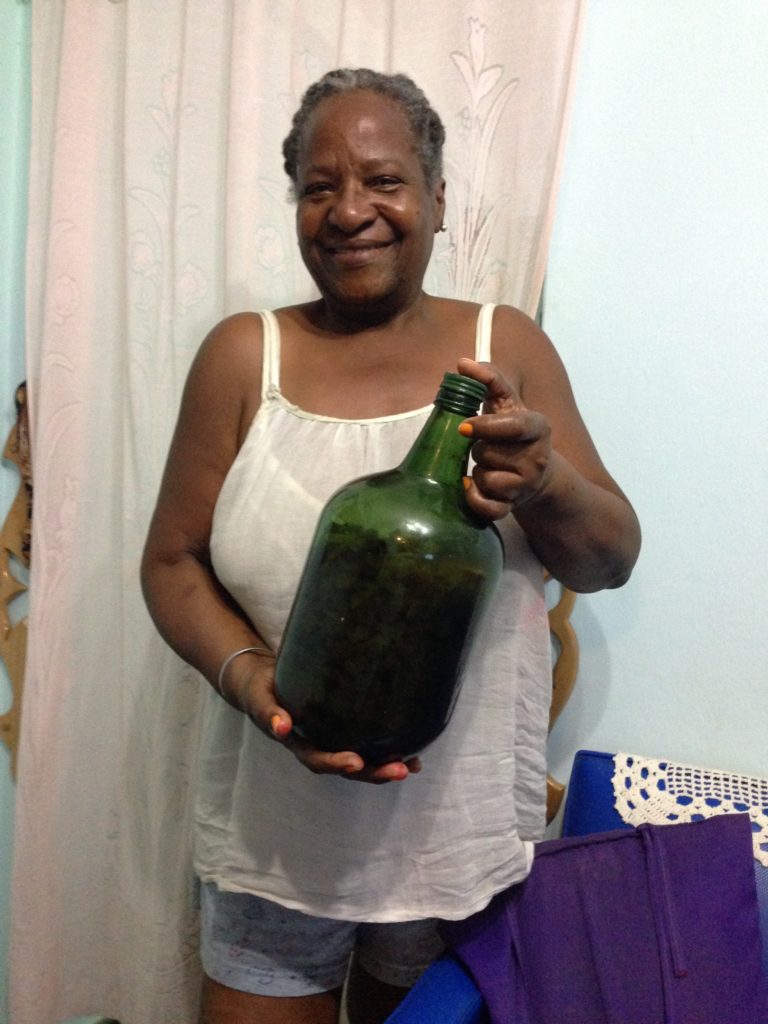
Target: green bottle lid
(460, 394)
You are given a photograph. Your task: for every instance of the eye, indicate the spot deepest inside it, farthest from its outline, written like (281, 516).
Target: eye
(317, 188)
(386, 183)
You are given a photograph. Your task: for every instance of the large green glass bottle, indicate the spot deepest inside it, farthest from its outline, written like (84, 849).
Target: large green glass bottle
(398, 575)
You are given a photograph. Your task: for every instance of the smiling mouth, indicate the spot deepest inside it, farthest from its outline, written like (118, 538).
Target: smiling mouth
(358, 254)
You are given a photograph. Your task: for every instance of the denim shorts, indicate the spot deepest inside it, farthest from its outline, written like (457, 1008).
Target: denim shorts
(257, 946)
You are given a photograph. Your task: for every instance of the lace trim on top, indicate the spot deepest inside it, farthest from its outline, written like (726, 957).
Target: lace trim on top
(270, 383)
(656, 792)
(274, 394)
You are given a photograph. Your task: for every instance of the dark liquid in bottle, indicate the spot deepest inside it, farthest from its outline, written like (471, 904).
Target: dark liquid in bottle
(403, 618)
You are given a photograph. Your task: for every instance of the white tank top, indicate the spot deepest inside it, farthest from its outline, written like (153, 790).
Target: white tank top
(438, 844)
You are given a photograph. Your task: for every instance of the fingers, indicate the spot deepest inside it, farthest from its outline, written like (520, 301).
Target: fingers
(501, 485)
(255, 695)
(501, 393)
(348, 764)
(257, 698)
(485, 506)
(276, 722)
(321, 762)
(512, 449)
(394, 771)
(521, 426)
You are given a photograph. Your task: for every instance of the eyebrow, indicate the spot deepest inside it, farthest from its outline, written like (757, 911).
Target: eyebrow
(368, 167)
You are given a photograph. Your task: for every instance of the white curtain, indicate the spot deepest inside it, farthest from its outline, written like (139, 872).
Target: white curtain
(158, 205)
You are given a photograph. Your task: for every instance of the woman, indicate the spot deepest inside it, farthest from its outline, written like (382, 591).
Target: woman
(299, 868)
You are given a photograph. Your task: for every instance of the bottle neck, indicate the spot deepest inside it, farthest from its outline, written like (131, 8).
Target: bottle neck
(440, 452)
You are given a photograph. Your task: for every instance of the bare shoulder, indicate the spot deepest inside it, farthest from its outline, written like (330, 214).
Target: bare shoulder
(225, 376)
(525, 354)
(236, 339)
(516, 335)
(221, 396)
(455, 309)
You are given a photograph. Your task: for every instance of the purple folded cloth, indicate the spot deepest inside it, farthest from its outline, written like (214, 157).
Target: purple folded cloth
(653, 925)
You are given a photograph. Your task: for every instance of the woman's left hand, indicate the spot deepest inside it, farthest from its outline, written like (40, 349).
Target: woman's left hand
(512, 449)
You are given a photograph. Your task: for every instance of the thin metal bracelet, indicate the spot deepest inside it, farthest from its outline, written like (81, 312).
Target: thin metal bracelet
(263, 651)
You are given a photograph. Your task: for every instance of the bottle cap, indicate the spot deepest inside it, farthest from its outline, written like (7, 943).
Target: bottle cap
(461, 394)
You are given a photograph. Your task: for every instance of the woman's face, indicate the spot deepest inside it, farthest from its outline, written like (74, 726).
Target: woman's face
(366, 218)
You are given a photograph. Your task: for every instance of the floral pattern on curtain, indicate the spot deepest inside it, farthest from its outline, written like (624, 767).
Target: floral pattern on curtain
(158, 204)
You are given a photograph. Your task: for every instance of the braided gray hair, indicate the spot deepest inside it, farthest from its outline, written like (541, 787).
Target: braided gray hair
(427, 128)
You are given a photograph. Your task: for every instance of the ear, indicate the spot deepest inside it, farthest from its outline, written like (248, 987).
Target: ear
(439, 197)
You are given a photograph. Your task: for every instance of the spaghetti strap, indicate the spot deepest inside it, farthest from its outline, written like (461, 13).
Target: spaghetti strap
(270, 373)
(483, 333)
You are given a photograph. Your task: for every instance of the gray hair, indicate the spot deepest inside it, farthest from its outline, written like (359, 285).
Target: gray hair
(427, 128)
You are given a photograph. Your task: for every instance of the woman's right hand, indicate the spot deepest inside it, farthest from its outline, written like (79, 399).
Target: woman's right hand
(250, 687)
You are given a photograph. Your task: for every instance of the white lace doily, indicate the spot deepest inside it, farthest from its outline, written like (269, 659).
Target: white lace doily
(659, 792)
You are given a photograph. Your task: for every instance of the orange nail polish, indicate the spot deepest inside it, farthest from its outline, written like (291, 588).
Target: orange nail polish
(275, 724)
(467, 481)
(466, 429)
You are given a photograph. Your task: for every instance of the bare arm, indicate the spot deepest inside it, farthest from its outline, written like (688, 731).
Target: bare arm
(192, 611)
(189, 607)
(536, 459)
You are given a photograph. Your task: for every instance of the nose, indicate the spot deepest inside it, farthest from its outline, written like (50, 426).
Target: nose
(351, 208)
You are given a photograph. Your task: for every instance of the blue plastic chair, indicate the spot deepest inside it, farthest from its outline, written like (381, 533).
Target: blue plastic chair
(445, 994)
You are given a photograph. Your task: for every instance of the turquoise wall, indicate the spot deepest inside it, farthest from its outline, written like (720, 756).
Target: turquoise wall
(656, 299)
(14, 131)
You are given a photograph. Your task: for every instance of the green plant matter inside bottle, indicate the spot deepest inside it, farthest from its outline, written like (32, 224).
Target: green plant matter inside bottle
(398, 576)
